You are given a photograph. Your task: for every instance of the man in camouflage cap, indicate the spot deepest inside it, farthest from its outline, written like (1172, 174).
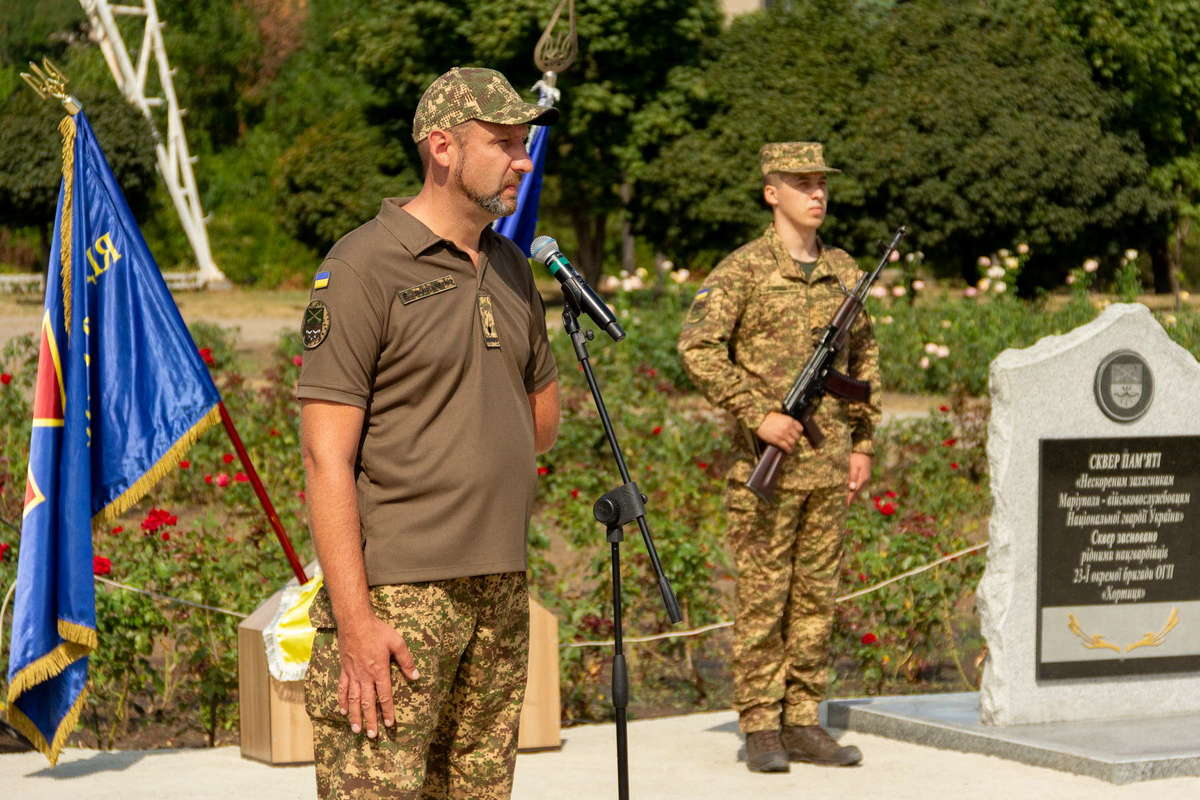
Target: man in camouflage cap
(748, 334)
(427, 389)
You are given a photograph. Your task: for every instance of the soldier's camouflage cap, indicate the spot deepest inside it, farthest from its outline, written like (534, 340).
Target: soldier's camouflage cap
(466, 93)
(793, 157)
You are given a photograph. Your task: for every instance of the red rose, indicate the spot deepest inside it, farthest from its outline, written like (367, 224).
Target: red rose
(242, 477)
(301, 496)
(297, 360)
(227, 458)
(208, 478)
(206, 354)
(229, 540)
(5, 378)
(185, 464)
(166, 537)
(950, 443)
(702, 464)
(953, 465)
(222, 479)
(574, 494)
(273, 432)
(657, 430)
(118, 529)
(887, 509)
(943, 409)
(101, 565)
(543, 470)
(889, 494)
(869, 638)
(862, 578)
(4, 547)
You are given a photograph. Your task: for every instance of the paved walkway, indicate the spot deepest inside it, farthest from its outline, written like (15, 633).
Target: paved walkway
(690, 757)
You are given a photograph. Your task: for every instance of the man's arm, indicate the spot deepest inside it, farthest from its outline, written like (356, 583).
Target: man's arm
(543, 403)
(330, 434)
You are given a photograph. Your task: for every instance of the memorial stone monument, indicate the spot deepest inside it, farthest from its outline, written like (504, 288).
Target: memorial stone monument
(1091, 599)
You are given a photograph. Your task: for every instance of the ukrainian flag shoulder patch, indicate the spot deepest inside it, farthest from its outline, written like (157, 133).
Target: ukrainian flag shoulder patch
(321, 281)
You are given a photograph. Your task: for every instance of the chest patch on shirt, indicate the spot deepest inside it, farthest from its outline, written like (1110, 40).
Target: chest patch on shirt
(491, 334)
(316, 324)
(428, 289)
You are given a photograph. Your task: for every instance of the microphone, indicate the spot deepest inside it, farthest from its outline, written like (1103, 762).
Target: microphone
(545, 250)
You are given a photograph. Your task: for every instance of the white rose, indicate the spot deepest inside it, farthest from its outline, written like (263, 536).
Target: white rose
(984, 284)
(1000, 287)
(879, 291)
(943, 351)
(931, 348)
(918, 285)
(1071, 278)
(983, 262)
(1131, 254)
(888, 320)
(996, 272)
(898, 291)
(924, 362)
(1023, 249)
(1003, 253)
(970, 291)
(1011, 262)
(1091, 265)
(945, 323)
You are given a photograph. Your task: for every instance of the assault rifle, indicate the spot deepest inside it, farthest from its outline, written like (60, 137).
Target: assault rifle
(819, 378)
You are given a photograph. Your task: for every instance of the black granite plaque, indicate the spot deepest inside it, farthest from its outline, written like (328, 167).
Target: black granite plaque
(1118, 559)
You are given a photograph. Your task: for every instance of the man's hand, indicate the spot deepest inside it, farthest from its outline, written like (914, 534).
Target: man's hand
(367, 649)
(780, 430)
(860, 474)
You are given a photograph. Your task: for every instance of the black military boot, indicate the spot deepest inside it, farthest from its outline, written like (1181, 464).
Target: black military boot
(812, 744)
(765, 753)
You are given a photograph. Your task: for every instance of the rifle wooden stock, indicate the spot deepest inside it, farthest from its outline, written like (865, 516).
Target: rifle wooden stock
(762, 479)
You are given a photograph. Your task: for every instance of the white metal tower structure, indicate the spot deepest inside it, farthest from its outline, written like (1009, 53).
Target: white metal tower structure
(174, 161)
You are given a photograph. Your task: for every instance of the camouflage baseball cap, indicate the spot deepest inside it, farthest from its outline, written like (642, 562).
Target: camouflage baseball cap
(466, 93)
(793, 157)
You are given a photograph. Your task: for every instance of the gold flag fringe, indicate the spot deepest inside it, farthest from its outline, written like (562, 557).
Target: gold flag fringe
(66, 227)
(168, 462)
(51, 750)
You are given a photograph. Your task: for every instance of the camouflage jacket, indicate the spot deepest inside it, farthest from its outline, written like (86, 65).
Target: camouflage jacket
(752, 327)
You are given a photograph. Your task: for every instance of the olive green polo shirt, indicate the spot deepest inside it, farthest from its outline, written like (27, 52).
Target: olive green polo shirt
(442, 358)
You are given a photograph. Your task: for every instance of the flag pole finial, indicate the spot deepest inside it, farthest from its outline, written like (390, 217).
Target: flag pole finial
(50, 82)
(556, 50)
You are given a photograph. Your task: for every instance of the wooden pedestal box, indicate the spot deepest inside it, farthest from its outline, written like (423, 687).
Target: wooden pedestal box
(275, 727)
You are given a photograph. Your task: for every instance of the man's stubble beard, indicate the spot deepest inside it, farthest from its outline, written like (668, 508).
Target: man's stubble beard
(492, 203)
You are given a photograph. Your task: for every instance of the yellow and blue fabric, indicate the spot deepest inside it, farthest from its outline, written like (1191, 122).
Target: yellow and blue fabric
(321, 281)
(121, 393)
(522, 225)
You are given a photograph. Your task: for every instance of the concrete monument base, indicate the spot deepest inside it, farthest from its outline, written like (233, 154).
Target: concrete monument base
(1117, 751)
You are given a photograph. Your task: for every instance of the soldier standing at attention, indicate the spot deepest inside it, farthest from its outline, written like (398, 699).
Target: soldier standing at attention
(427, 388)
(750, 330)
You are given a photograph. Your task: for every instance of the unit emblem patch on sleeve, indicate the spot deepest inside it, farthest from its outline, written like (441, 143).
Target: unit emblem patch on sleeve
(316, 324)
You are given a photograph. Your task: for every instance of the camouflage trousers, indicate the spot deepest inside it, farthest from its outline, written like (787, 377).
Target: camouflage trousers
(787, 557)
(455, 735)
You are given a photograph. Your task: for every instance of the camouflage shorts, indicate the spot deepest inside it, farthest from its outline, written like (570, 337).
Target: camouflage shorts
(456, 726)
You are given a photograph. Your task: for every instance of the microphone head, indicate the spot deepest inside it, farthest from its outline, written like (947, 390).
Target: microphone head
(542, 248)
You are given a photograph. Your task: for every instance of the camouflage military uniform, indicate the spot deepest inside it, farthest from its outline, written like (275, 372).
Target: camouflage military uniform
(456, 726)
(750, 330)
(397, 327)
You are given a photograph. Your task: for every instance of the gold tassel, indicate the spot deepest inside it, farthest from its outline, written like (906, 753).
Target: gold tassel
(67, 129)
(53, 750)
(128, 498)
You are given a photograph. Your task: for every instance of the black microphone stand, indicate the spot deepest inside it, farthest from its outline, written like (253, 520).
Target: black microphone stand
(616, 509)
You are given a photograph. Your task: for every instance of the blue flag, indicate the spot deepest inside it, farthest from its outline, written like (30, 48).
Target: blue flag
(521, 226)
(121, 393)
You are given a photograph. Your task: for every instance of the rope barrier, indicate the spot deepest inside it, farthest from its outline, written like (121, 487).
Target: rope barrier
(164, 597)
(727, 624)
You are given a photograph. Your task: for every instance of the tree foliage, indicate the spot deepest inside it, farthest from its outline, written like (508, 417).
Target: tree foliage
(960, 120)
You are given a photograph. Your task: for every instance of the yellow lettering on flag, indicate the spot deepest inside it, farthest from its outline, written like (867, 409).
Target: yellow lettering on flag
(103, 246)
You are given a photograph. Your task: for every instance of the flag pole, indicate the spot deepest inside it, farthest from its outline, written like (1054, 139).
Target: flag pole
(261, 491)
